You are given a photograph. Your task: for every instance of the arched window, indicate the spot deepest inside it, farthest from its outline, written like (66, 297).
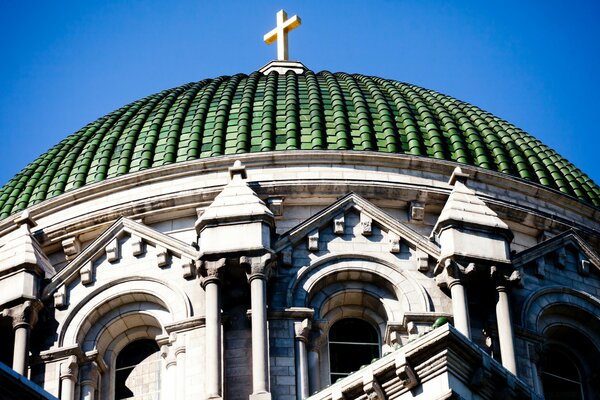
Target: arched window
(137, 371)
(561, 378)
(352, 343)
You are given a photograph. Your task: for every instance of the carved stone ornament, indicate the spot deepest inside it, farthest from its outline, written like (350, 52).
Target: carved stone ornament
(448, 273)
(302, 329)
(212, 271)
(339, 224)
(24, 314)
(313, 240)
(405, 372)
(258, 266)
(394, 241)
(366, 224)
(112, 251)
(71, 247)
(69, 368)
(372, 388)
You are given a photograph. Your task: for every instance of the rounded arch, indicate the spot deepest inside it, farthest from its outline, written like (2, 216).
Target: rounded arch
(357, 267)
(164, 302)
(557, 300)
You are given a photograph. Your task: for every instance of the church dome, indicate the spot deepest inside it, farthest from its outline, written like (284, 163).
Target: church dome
(308, 111)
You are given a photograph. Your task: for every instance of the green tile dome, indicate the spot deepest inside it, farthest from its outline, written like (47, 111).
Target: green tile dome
(312, 111)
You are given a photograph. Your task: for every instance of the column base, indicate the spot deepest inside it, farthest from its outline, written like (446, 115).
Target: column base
(260, 396)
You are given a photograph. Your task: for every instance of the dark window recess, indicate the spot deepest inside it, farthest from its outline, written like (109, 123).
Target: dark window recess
(352, 343)
(129, 358)
(560, 377)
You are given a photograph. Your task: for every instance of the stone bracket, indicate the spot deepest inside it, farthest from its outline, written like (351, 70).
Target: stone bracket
(366, 224)
(339, 224)
(405, 372)
(394, 241)
(372, 388)
(313, 240)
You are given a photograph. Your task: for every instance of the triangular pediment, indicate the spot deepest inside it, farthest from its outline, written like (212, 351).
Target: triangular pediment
(370, 215)
(108, 247)
(556, 250)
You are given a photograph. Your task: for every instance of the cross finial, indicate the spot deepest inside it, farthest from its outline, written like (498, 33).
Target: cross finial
(284, 25)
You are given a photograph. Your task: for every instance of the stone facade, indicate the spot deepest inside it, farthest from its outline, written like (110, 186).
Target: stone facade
(238, 271)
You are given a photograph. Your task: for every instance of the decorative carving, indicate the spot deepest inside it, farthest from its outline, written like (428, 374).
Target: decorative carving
(137, 245)
(162, 257)
(187, 265)
(71, 247)
(339, 224)
(275, 204)
(372, 388)
(302, 329)
(112, 251)
(286, 257)
(561, 258)
(212, 271)
(257, 267)
(60, 298)
(85, 273)
(416, 211)
(168, 356)
(422, 261)
(69, 368)
(24, 314)
(583, 267)
(313, 240)
(404, 372)
(394, 241)
(366, 224)
(540, 267)
(448, 273)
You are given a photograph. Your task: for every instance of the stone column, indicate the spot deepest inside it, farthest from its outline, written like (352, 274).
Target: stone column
(460, 308)
(89, 380)
(180, 376)
(68, 377)
(168, 388)
(259, 270)
(314, 362)
(302, 329)
(24, 317)
(451, 277)
(505, 330)
(211, 284)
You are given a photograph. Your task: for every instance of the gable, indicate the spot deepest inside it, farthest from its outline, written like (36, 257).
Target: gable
(354, 225)
(126, 248)
(565, 251)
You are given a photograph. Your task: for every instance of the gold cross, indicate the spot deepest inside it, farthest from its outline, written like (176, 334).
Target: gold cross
(284, 25)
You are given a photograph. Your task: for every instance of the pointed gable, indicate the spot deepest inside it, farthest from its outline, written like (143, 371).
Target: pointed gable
(369, 216)
(108, 247)
(555, 251)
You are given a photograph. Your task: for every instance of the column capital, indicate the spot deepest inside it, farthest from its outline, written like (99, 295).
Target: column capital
(302, 330)
(212, 271)
(448, 273)
(505, 280)
(69, 368)
(167, 353)
(24, 314)
(89, 374)
(258, 267)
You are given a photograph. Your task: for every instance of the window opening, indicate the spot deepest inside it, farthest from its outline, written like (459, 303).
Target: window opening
(137, 371)
(561, 379)
(352, 343)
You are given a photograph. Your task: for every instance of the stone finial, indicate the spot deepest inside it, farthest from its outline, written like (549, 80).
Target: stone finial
(238, 171)
(458, 176)
(25, 219)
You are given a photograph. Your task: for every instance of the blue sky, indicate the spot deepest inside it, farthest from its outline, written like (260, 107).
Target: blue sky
(66, 63)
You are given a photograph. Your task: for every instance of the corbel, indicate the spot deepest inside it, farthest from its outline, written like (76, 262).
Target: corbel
(71, 247)
(86, 273)
(162, 256)
(371, 386)
(422, 260)
(405, 372)
(60, 297)
(137, 245)
(394, 241)
(366, 224)
(339, 224)
(275, 204)
(112, 251)
(313, 240)
(187, 265)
